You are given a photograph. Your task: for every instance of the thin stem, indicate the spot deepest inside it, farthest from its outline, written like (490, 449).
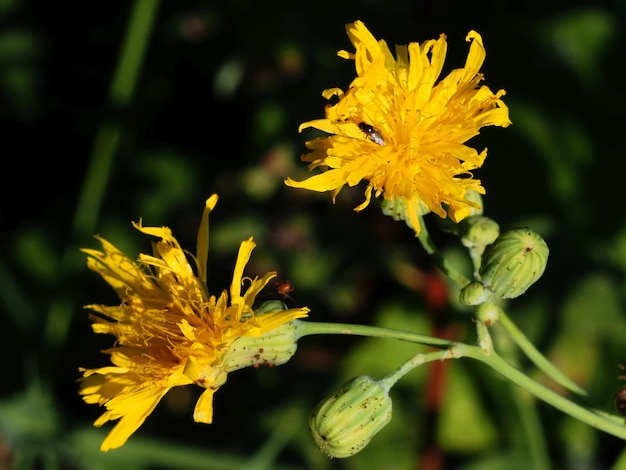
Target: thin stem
(603, 421)
(314, 328)
(110, 131)
(610, 424)
(530, 424)
(415, 361)
(99, 168)
(527, 414)
(484, 338)
(438, 258)
(537, 358)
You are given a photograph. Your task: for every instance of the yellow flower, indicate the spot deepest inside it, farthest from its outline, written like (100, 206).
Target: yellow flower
(169, 330)
(402, 130)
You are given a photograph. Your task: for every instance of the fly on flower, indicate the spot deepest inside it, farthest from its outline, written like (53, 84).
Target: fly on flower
(422, 162)
(373, 133)
(170, 331)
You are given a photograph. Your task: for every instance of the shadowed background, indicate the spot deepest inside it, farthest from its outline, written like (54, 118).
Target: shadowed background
(221, 88)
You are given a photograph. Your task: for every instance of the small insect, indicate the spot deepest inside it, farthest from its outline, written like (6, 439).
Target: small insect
(373, 133)
(284, 288)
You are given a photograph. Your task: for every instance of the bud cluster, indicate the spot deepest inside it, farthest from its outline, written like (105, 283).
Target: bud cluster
(508, 267)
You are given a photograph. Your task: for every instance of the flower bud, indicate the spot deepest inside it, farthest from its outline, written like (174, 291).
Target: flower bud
(475, 197)
(397, 210)
(514, 262)
(478, 231)
(269, 307)
(488, 313)
(345, 422)
(474, 293)
(273, 348)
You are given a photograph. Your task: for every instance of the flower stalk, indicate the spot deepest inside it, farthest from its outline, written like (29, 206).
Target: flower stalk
(611, 424)
(440, 260)
(414, 362)
(536, 357)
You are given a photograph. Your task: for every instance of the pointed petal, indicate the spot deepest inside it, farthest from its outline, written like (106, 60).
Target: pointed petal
(203, 412)
(202, 247)
(245, 250)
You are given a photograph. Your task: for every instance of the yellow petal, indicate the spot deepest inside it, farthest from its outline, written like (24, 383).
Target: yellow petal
(476, 55)
(133, 412)
(256, 286)
(245, 250)
(424, 122)
(203, 412)
(202, 246)
(327, 181)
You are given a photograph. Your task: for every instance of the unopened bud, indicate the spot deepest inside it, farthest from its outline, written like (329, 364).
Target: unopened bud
(474, 293)
(269, 307)
(345, 422)
(479, 231)
(514, 262)
(273, 348)
(397, 210)
(488, 313)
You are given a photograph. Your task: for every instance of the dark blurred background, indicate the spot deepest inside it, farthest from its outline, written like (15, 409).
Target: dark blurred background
(220, 92)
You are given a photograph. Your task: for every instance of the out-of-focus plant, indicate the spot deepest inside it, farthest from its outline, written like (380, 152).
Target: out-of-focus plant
(404, 132)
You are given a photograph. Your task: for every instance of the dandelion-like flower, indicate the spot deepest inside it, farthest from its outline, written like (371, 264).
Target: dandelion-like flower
(402, 130)
(170, 331)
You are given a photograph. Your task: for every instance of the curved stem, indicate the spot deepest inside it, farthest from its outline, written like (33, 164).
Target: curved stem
(537, 358)
(438, 258)
(527, 420)
(603, 421)
(608, 423)
(416, 361)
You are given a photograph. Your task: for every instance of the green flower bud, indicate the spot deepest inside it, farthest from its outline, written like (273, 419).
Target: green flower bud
(478, 231)
(272, 348)
(396, 209)
(488, 313)
(474, 294)
(269, 307)
(345, 422)
(514, 262)
(476, 198)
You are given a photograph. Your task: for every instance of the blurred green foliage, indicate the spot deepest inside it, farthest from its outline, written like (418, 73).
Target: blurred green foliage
(219, 92)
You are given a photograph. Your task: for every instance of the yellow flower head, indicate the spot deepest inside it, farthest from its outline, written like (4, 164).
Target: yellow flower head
(169, 330)
(404, 131)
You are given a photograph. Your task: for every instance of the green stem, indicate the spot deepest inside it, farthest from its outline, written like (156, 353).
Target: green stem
(531, 426)
(603, 421)
(438, 258)
(537, 358)
(109, 133)
(416, 361)
(608, 423)
(527, 420)
(314, 328)
(484, 337)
